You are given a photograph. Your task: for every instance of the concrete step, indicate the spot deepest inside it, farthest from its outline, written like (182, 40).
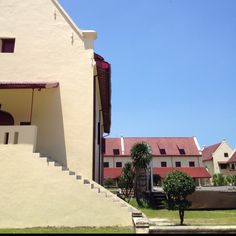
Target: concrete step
(86, 181)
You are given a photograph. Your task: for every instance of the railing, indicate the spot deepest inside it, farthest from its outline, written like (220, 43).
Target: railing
(18, 135)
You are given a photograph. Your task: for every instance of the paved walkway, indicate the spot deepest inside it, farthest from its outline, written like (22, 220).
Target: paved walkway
(165, 226)
(192, 229)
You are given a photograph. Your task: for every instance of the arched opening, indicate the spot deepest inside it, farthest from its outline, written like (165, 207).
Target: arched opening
(6, 118)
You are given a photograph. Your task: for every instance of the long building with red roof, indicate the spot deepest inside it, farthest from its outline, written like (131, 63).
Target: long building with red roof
(169, 154)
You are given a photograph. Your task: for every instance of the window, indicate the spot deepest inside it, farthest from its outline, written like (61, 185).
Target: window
(162, 151)
(7, 45)
(181, 151)
(191, 164)
(118, 164)
(106, 164)
(163, 164)
(223, 166)
(116, 151)
(226, 154)
(232, 167)
(177, 164)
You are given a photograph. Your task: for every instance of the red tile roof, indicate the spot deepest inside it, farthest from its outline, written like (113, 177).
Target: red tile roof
(194, 172)
(110, 144)
(232, 158)
(208, 151)
(170, 144)
(112, 173)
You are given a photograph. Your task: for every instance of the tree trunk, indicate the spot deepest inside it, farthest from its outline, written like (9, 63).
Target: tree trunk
(181, 216)
(140, 184)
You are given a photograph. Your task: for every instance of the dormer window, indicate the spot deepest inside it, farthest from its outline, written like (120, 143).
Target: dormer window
(7, 45)
(162, 151)
(181, 151)
(116, 152)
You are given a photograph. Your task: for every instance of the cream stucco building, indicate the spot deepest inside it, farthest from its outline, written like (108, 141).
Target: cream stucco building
(55, 99)
(169, 154)
(216, 157)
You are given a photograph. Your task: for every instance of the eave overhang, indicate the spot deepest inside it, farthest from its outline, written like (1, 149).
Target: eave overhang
(104, 80)
(28, 85)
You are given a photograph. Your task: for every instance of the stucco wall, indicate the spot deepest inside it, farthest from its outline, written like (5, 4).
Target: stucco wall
(47, 48)
(36, 194)
(209, 166)
(112, 160)
(218, 155)
(156, 161)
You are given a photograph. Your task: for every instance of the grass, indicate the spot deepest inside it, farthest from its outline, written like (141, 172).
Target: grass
(79, 230)
(192, 217)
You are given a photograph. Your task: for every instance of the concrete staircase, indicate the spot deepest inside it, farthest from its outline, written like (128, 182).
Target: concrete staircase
(38, 192)
(95, 187)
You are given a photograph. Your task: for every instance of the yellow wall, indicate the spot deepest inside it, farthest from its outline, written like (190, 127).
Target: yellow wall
(35, 193)
(218, 155)
(48, 48)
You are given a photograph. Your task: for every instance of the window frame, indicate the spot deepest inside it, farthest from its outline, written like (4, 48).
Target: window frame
(116, 151)
(104, 163)
(165, 164)
(119, 162)
(11, 45)
(191, 162)
(179, 163)
(162, 151)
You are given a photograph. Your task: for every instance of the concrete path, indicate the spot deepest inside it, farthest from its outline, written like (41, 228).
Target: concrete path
(192, 229)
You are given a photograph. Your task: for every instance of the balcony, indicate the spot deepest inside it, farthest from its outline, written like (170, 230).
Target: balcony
(25, 135)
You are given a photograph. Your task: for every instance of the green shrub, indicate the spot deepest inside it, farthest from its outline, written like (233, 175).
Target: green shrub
(108, 182)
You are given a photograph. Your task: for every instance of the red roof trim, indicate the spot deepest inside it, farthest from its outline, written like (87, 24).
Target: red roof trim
(159, 156)
(194, 172)
(232, 158)
(104, 79)
(208, 151)
(112, 173)
(28, 85)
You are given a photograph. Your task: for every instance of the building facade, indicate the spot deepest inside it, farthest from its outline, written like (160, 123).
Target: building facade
(55, 106)
(169, 154)
(215, 157)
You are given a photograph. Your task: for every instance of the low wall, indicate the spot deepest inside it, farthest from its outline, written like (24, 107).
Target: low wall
(213, 199)
(18, 135)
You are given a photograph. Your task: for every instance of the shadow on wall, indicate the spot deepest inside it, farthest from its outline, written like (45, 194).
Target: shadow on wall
(47, 116)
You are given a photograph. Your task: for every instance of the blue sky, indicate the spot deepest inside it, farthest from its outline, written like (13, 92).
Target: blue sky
(173, 65)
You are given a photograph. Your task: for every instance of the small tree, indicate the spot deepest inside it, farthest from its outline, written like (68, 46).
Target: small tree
(228, 180)
(109, 182)
(126, 181)
(141, 155)
(177, 187)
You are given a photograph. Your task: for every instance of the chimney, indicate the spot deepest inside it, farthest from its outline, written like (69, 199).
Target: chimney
(122, 145)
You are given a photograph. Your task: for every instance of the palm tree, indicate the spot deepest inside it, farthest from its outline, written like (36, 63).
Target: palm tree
(141, 155)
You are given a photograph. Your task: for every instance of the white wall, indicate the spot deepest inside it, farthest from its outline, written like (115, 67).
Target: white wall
(156, 161)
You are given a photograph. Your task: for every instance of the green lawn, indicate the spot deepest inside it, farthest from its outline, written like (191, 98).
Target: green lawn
(79, 230)
(193, 217)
